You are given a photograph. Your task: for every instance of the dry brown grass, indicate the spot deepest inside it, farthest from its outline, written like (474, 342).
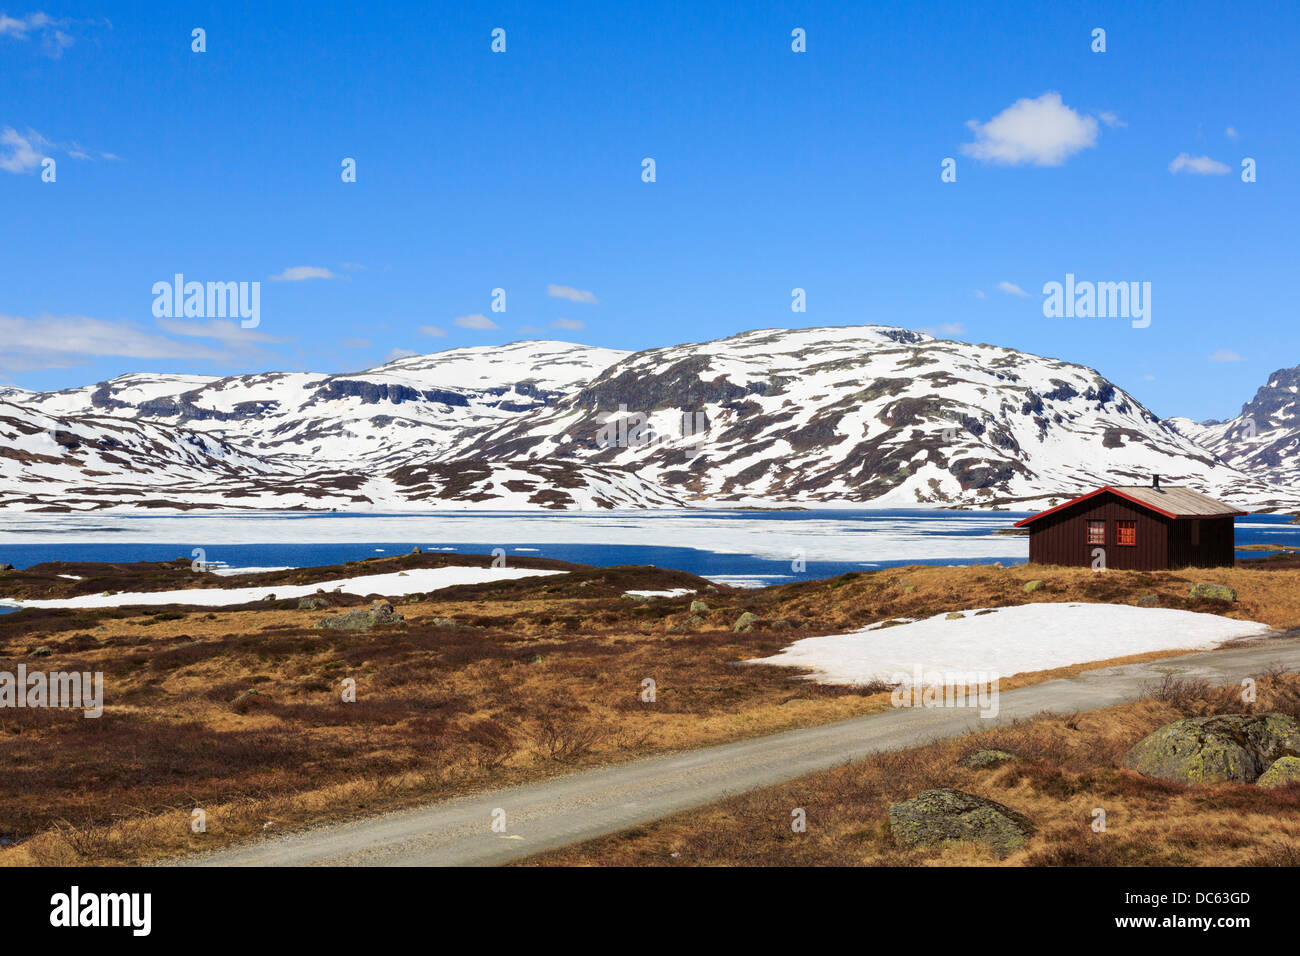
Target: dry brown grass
(538, 677)
(1069, 768)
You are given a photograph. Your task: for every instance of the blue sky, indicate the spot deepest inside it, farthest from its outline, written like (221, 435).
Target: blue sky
(775, 170)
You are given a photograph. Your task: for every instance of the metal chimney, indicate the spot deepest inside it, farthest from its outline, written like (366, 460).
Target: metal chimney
(1155, 481)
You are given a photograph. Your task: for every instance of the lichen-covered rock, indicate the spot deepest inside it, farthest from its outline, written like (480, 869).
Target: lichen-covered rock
(697, 606)
(1032, 586)
(381, 612)
(953, 616)
(1213, 592)
(1283, 771)
(1148, 600)
(981, 759)
(1224, 747)
(943, 816)
(312, 603)
(746, 622)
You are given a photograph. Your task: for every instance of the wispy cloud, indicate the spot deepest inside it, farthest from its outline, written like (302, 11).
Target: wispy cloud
(572, 294)
(222, 330)
(947, 328)
(433, 331)
(979, 294)
(1010, 288)
(66, 341)
(476, 321)
(1040, 132)
(303, 273)
(1111, 119)
(572, 325)
(1231, 132)
(23, 152)
(1226, 355)
(396, 354)
(51, 33)
(1200, 165)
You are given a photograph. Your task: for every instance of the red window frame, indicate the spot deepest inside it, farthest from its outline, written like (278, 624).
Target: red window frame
(1126, 533)
(1096, 532)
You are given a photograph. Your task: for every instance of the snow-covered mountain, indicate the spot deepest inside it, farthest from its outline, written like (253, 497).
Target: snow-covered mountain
(1264, 440)
(868, 413)
(831, 416)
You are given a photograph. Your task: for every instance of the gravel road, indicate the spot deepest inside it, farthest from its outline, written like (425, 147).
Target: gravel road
(568, 809)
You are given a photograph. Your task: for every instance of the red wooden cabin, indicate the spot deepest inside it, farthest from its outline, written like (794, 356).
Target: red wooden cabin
(1136, 528)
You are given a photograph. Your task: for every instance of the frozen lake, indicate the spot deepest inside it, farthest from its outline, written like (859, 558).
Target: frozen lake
(735, 547)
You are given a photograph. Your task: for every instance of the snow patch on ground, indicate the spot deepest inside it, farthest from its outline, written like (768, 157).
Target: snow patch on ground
(1006, 641)
(671, 593)
(414, 581)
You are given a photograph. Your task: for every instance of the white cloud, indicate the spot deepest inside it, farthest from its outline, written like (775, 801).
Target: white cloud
(1231, 132)
(1226, 355)
(947, 328)
(433, 331)
(62, 341)
(572, 294)
(571, 325)
(302, 273)
(223, 330)
(979, 294)
(1201, 165)
(475, 321)
(54, 40)
(396, 354)
(1012, 289)
(1043, 132)
(23, 152)
(19, 153)
(1111, 119)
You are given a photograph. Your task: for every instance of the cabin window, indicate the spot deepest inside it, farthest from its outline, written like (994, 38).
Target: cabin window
(1096, 532)
(1126, 532)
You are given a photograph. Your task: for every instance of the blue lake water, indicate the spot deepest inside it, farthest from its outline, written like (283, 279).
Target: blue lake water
(718, 540)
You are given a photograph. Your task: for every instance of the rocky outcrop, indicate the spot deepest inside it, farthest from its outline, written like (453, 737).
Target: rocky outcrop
(379, 613)
(936, 817)
(1225, 747)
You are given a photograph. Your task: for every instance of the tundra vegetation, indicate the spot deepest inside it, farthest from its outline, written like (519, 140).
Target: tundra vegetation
(240, 711)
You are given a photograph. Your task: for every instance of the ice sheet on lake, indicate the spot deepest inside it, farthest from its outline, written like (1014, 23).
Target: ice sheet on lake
(831, 537)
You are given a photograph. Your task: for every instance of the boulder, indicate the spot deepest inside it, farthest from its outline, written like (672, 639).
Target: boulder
(1224, 747)
(6, 567)
(1148, 600)
(1283, 771)
(381, 612)
(953, 616)
(695, 620)
(416, 550)
(1032, 586)
(746, 622)
(936, 817)
(1213, 592)
(312, 603)
(697, 606)
(982, 759)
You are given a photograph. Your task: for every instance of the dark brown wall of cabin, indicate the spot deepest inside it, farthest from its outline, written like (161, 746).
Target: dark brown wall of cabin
(1214, 550)
(1062, 538)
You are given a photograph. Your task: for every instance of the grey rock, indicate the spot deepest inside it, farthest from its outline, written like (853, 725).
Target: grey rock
(936, 817)
(380, 613)
(1224, 747)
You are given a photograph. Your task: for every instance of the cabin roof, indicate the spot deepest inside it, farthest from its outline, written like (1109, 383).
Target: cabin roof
(1172, 501)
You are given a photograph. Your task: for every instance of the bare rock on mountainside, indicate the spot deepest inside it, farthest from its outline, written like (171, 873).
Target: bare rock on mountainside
(936, 817)
(1224, 747)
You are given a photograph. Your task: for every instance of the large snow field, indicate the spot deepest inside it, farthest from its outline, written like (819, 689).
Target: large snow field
(415, 581)
(1006, 641)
